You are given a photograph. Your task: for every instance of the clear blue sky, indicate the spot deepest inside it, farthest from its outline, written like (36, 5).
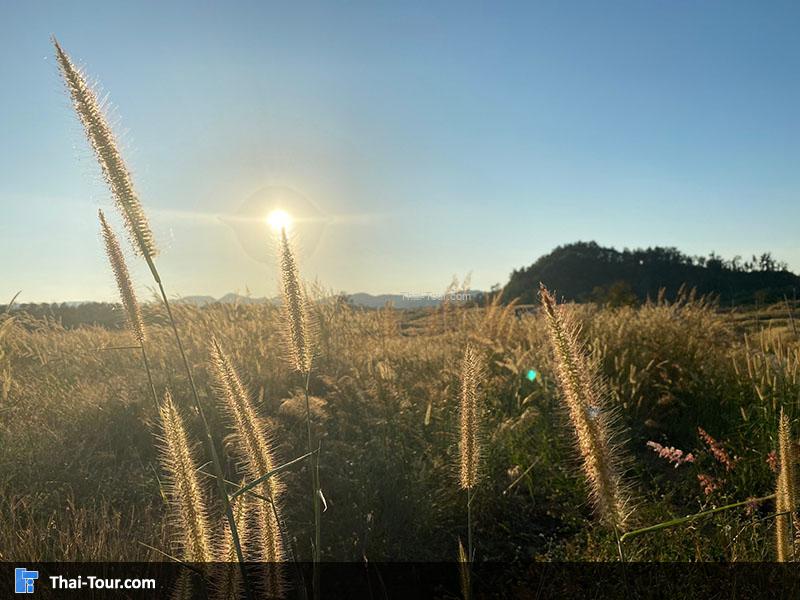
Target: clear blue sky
(435, 138)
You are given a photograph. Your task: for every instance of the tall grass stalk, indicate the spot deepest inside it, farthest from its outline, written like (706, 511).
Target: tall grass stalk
(785, 492)
(130, 304)
(184, 492)
(582, 392)
(256, 452)
(690, 518)
(117, 176)
(241, 510)
(469, 433)
(103, 142)
(231, 585)
(299, 338)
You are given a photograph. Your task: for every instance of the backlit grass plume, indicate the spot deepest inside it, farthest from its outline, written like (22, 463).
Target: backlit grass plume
(242, 509)
(129, 302)
(230, 587)
(185, 494)
(254, 448)
(126, 293)
(582, 391)
(469, 413)
(295, 309)
(469, 432)
(785, 498)
(299, 336)
(102, 140)
(269, 550)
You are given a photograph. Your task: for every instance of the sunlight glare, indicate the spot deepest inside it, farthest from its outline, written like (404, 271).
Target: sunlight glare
(279, 219)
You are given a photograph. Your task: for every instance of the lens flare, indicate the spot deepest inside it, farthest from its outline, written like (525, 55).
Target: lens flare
(279, 219)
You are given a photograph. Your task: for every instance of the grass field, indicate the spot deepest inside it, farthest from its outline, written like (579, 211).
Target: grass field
(480, 432)
(81, 478)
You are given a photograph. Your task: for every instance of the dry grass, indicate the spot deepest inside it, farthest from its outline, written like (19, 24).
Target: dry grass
(786, 503)
(393, 390)
(583, 392)
(184, 490)
(253, 445)
(102, 140)
(389, 403)
(128, 297)
(296, 319)
(470, 420)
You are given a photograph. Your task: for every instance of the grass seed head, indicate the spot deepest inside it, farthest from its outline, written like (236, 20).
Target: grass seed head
(295, 310)
(785, 499)
(470, 418)
(254, 448)
(185, 493)
(126, 293)
(103, 142)
(592, 421)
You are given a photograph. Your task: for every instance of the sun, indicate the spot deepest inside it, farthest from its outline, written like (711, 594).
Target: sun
(279, 220)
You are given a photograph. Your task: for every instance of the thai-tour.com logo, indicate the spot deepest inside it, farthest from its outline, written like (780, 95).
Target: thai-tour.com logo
(23, 580)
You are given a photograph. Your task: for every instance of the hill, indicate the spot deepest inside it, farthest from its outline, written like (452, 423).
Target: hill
(586, 271)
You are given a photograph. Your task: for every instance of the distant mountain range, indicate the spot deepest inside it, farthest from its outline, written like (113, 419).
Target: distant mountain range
(359, 299)
(231, 298)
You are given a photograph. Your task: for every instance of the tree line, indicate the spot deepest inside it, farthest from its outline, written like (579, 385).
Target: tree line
(586, 271)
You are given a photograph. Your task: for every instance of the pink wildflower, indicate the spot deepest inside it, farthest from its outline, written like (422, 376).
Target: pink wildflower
(709, 484)
(717, 450)
(772, 461)
(673, 455)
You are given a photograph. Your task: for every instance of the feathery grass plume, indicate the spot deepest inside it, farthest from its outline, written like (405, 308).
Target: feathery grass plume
(469, 432)
(255, 449)
(269, 550)
(295, 309)
(242, 508)
(126, 293)
(250, 512)
(185, 493)
(298, 330)
(102, 140)
(785, 499)
(582, 391)
(230, 587)
(470, 415)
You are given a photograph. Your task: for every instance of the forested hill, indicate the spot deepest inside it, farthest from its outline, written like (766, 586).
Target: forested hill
(587, 271)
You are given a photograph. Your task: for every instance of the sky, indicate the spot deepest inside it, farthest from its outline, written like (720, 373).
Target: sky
(419, 140)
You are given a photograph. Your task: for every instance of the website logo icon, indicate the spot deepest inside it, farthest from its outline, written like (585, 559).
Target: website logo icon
(23, 580)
